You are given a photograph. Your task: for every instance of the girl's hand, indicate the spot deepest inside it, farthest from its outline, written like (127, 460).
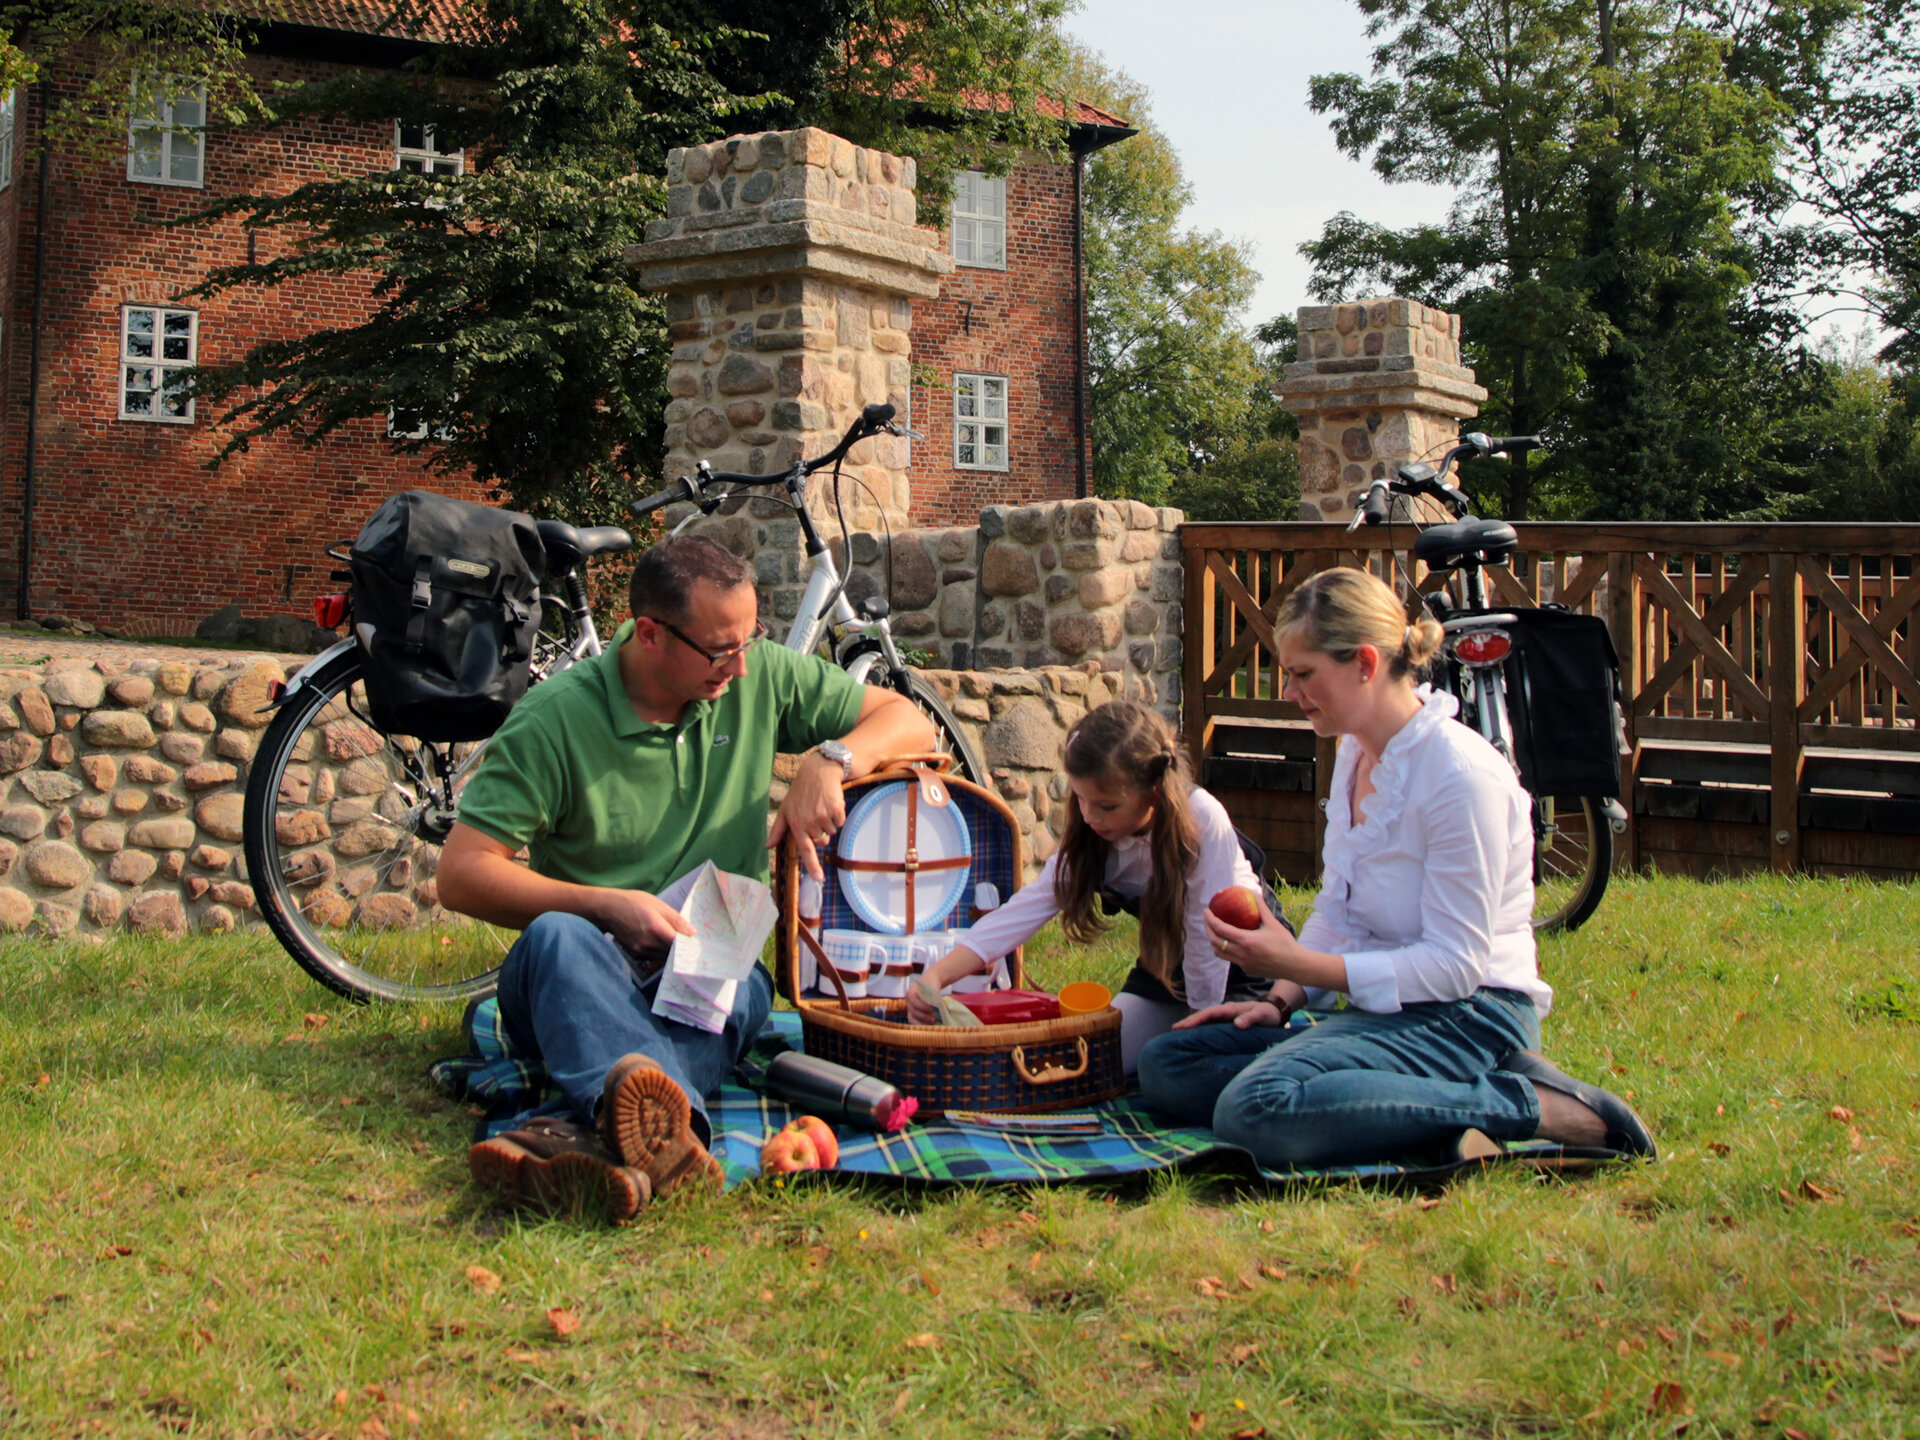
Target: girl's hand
(954, 965)
(1268, 951)
(1243, 1013)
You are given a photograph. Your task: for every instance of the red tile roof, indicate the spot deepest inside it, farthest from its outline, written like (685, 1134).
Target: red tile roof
(428, 20)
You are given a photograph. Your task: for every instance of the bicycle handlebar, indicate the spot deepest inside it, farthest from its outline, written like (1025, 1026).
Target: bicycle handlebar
(873, 419)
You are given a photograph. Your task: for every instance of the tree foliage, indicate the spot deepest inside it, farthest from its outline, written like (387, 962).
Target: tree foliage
(1173, 377)
(1618, 168)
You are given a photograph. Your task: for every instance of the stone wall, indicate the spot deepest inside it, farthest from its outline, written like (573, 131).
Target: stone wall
(1067, 582)
(122, 783)
(121, 787)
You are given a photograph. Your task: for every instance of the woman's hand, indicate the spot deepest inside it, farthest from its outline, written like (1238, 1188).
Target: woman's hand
(956, 964)
(1269, 950)
(1244, 1014)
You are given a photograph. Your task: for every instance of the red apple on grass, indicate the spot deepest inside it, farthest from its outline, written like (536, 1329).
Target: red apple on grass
(804, 1144)
(1236, 906)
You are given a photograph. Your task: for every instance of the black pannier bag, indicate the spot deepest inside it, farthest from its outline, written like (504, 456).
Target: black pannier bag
(450, 591)
(1563, 683)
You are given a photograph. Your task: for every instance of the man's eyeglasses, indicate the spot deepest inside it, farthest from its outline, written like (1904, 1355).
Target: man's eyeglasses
(718, 658)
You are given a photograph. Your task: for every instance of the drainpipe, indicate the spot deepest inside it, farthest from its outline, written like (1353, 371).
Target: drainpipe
(1080, 323)
(23, 607)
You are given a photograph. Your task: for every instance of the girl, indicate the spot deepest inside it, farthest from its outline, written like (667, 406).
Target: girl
(1137, 830)
(1423, 922)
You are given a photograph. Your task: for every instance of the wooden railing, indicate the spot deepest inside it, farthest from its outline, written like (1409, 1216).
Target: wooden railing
(1792, 637)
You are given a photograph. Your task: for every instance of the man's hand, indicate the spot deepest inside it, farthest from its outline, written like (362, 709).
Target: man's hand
(639, 921)
(814, 810)
(1244, 1014)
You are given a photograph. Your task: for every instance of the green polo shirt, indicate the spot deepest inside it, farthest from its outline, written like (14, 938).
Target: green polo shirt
(600, 796)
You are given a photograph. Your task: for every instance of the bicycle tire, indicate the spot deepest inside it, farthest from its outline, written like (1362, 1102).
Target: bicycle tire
(1572, 860)
(951, 739)
(340, 851)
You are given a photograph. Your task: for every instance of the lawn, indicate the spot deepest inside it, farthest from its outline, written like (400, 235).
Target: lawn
(236, 1208)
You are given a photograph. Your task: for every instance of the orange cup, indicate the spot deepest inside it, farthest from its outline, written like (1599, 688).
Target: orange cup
(1083, 997)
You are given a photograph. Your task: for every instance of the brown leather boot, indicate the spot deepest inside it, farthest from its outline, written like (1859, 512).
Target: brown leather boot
(559, 1168)
(647, 1120)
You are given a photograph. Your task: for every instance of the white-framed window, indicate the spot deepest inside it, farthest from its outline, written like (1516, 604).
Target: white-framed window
(398, 429)
(7, 113)
(415, 148)
(980, 422)
(157, 349)
(166, 138)
(980, 220)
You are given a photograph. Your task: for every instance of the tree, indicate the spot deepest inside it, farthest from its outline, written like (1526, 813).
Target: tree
(507, 340)
(1609, 155)
(1171, 372)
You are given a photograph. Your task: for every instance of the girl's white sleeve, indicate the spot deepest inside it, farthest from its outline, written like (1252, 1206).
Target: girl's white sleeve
(1218, 866)
(1017, 921)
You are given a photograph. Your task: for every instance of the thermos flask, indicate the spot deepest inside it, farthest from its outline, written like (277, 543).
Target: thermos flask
(838, 1095)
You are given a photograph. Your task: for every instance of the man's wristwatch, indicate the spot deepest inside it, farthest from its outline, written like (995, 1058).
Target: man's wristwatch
(837, 752)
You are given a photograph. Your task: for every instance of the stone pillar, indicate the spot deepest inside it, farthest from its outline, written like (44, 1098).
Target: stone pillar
(790, 261)
(1377, 383)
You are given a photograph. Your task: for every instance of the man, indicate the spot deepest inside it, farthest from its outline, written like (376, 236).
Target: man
(620, 777)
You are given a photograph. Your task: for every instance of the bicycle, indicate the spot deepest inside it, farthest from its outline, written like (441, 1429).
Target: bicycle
(1573, 834)
(343, 823)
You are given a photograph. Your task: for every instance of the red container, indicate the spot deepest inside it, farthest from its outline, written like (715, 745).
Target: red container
(1011, 1007)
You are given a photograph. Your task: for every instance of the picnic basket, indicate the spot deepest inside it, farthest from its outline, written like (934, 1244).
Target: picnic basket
(1041, 1065)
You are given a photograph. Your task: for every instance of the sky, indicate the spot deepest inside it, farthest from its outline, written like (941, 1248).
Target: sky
(1229, 89)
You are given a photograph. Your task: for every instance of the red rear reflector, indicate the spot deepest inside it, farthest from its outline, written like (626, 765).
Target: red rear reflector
(1482, 647)
(275, 690)
(329, 611)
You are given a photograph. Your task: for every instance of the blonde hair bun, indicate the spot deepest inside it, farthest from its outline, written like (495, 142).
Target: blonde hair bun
(1340, 609)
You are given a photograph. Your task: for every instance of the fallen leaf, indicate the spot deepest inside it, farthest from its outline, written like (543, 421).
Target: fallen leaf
(1770, 1410)
(116, 1252)
(1725, 1357)
(1407, 1305)
(926, 1279)
(1211, 1287)
(1245, 1282)
(1666, 1333)
(1794, 1434)
(482, 1279)
(925, 1340)
(1719, 1147)
(44, 1081)
(1854, 1141)
(1256, 1432)
(817, 1256)
(1266, 1226)
(1725, 1222)
(1817, 1192)
(312, 1020)
(1429, 1202)
(1668, 1399)
(339, 1399)
(349, 1100)
(1445, 1284)
(1273, 1272)
(1196, 1420)
(563, 1321)
(1786, 1195)
(766, 1297)
(900, 1402)
(1888, 1354)
(1908, 1318)
(373, 1429)
(1784, 1323)
(1599, 1286)
(1840, 1113)
(525, 1357)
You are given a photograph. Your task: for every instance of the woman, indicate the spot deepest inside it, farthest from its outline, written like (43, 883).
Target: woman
(1423, 922)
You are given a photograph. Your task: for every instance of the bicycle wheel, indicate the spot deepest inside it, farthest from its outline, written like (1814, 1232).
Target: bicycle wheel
(342, 828)
(949, 738)
(1572, 858)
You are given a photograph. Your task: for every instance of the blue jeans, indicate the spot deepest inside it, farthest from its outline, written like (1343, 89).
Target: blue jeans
(1356, 1087)
(570, 995)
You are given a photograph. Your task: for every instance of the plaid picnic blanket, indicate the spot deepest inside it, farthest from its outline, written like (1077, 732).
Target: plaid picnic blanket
(1130, 1139)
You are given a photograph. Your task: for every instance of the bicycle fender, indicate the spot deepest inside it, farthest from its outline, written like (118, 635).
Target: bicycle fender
(303, 677)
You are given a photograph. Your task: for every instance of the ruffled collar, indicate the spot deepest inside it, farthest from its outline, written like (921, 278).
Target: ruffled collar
(1390, 775)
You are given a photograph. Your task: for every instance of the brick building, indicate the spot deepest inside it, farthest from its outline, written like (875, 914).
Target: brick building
(108, 510)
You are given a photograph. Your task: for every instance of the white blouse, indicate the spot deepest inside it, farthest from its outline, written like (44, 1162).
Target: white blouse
(1430, 896)
(1218, 865)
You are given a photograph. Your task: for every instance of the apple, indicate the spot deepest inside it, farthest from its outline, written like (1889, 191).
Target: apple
(788, 1151)
(826, 1145)
(1236, 906)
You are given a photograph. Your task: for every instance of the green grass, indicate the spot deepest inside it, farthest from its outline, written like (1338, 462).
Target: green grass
(220, 1219)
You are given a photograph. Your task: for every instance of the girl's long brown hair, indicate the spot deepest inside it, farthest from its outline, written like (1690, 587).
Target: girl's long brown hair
(1129, 743)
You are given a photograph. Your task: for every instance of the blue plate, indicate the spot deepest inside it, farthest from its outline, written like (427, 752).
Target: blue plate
(876, 829)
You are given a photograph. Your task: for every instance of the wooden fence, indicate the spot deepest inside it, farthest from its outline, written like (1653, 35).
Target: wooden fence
(1768, 672)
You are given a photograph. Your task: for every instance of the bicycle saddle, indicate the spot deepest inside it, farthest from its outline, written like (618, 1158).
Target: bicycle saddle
(568, 545)
(1466, 542)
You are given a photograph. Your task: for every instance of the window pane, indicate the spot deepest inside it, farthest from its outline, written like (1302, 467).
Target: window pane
(992, 199)
(176, 347)
(413, 137)
(146, 154)
(189, 109)
(140, 334)
(963, 454)
(992, 244)
(413, 165)
(184, 162)
(964, 404)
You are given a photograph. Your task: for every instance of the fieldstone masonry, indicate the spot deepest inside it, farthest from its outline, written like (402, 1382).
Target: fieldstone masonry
(1377, 383)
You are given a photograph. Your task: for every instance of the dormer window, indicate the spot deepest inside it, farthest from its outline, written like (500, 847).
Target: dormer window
(980, 220)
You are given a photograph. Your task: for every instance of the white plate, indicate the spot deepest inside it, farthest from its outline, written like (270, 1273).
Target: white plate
(876, 829)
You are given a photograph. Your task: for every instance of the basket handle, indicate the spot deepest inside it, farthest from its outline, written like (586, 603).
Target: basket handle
(826, 966)
(1051, 1074)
